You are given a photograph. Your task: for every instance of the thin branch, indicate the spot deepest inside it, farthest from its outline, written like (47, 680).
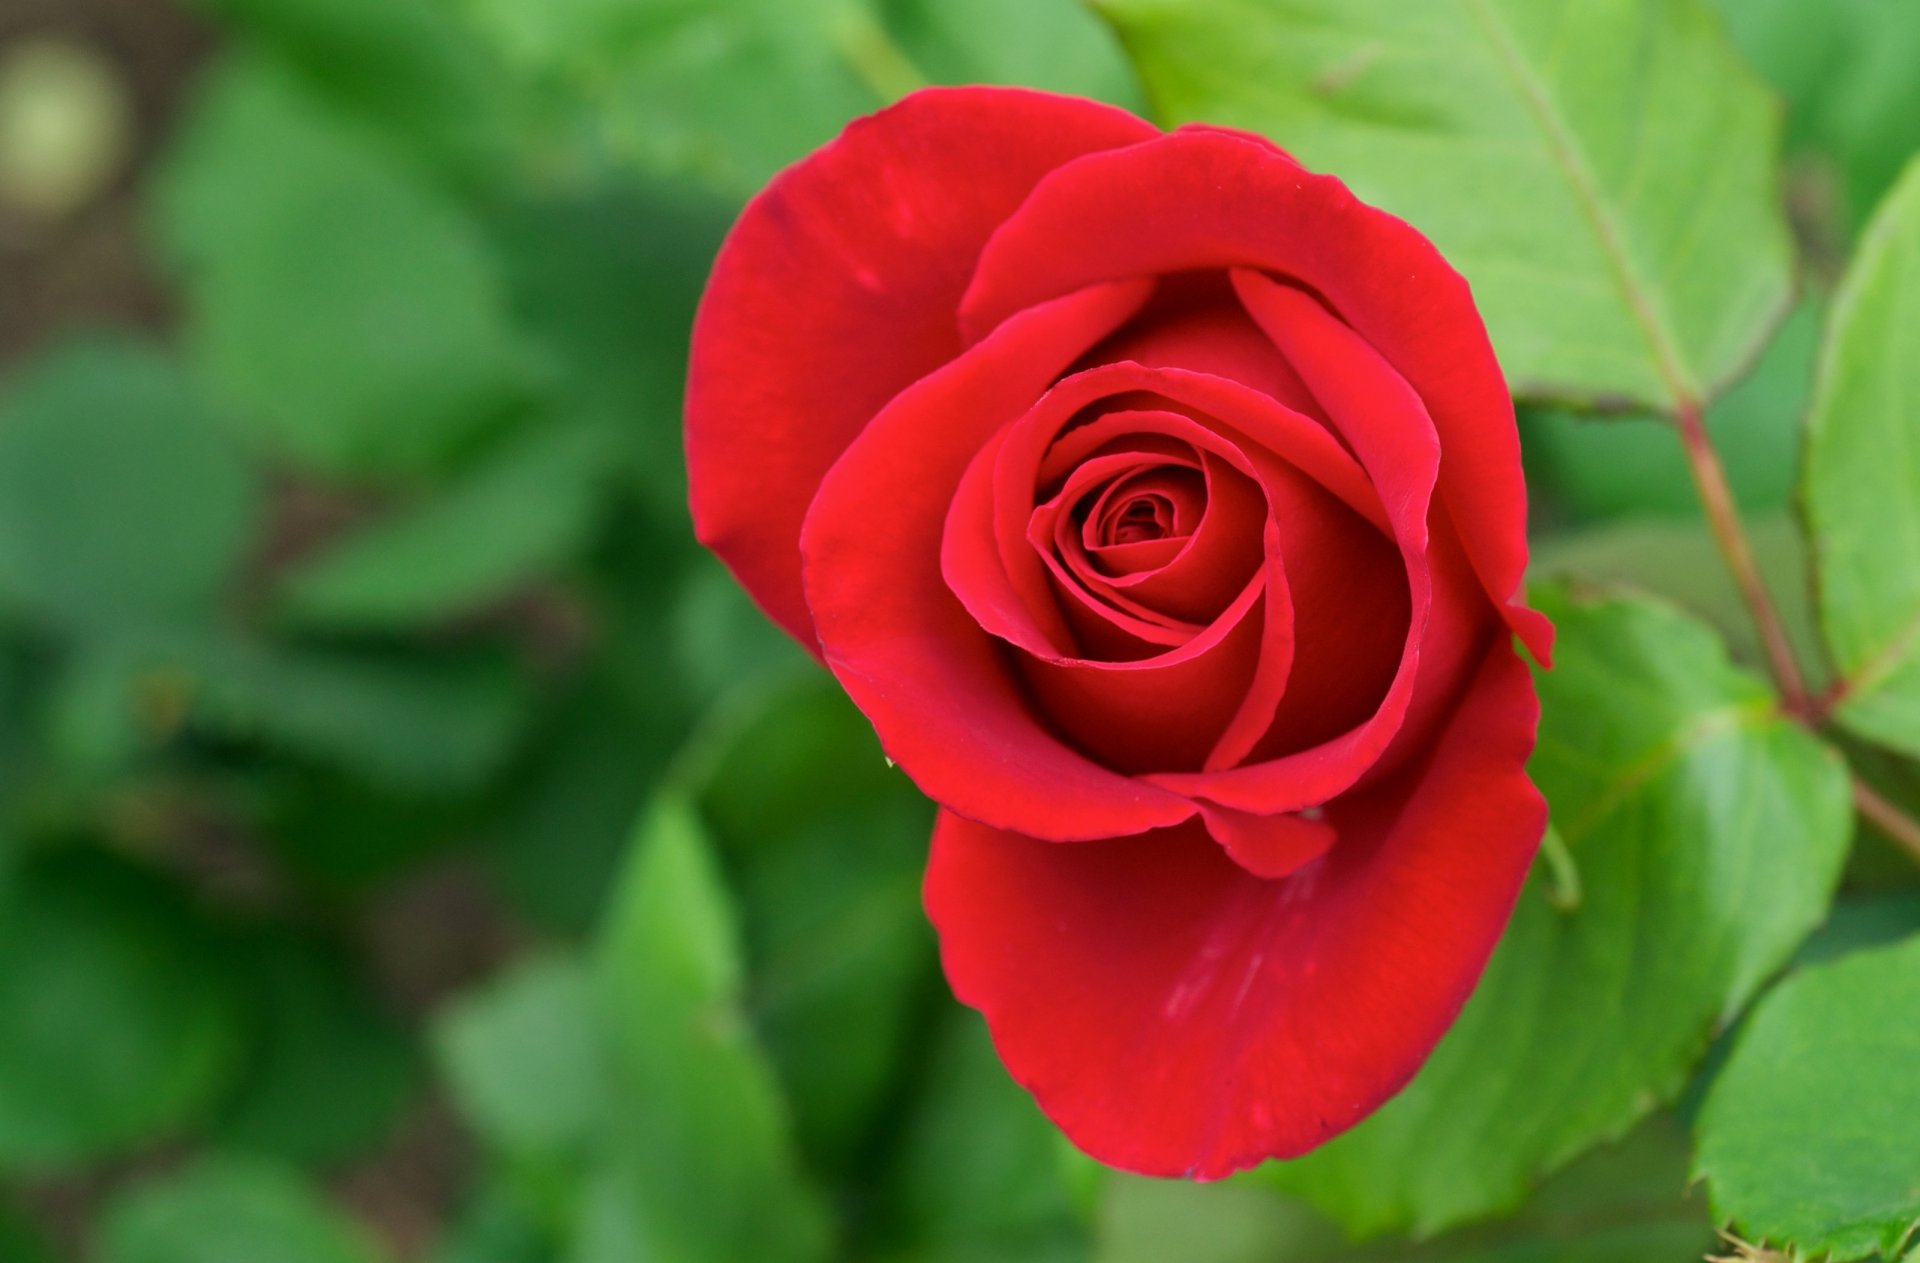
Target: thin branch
(1716, 497)
(1886, 817)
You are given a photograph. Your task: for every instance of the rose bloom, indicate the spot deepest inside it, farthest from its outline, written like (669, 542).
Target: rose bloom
(1160, 504)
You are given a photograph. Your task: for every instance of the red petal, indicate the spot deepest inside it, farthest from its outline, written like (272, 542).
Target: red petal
(1177, 1015)
(837, 289)
(1207, 198)
(935, 686)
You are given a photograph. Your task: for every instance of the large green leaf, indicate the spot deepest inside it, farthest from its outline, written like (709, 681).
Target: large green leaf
(227, 1210)
(121, 499)
(1704, 834)
(117, 1024)
(531, 506)
(1627, 1203)
(700, 1163)
(1806, 1139)
(346, 309)
(1863, 479)
(1558, 154)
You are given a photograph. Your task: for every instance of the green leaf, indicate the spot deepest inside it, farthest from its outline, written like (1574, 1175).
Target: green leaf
(701, 1165)
(331, 1068)
(121, 500)
(493, 1227)
(1678, 560)
(228, 1210)
(522, 1057)
(605, 284)
(1552, 151)
(1802, 1141)
(1627, 1203)
(529, 508)
(976, 1172)
(1620, 466)
(1846, 70)
(21, 1242)
(731, 93)
(405, 67)
(829, 844)
(117, 1023)
(1707, 832)
(347, 311)
(1862, 488)
(439, 724)
(554, 845)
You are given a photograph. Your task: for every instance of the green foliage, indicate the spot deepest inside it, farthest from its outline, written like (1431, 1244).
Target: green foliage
(702, 1165)
(1863, 480)
(229, 1210)
(117, 1018)
(397, 356)
(331, 1068)
(528, 509)
(100, 440)
(729, 94)
(368, 585)
(1707, 832)
(1625, 1203)
(1802, 1141)
(1613, 265)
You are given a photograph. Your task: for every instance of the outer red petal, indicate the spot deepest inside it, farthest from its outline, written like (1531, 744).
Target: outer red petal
(1177, 1015)
(937, 688)
(838, 288)
(1207, 198)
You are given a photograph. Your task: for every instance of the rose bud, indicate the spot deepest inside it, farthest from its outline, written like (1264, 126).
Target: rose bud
(1160, 504)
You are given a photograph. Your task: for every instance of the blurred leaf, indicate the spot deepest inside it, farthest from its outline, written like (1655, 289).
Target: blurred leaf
(1863, 480)
(1846, 69)
(976, 1173)
(1046, 44)
(531, 507)
(1803, 1138)
(1708, 832)
(1679, 560)
(1618, 466)
(433, 723)
(121, 501)
(720, 638)
(347, 311)
(404, 67)
(829, 843)
(21, 1242)
(554, 844)
(605, 283)
(332, 1069)
(117, 1024)
(1614, 265)
(229, 1210)
(701, 1166)
(494, 1228)
(523, 1060)
(731, 93)
(1626, 1203)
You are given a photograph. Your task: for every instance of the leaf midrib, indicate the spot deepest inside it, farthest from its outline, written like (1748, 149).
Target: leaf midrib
(1566, 155)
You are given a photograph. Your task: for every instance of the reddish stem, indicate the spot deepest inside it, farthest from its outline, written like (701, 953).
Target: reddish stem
(1716, 497)
(1890, 820)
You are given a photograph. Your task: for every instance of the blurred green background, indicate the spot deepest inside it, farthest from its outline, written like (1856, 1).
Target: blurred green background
(411, 846)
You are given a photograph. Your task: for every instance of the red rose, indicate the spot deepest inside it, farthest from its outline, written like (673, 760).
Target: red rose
(1160, 504)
